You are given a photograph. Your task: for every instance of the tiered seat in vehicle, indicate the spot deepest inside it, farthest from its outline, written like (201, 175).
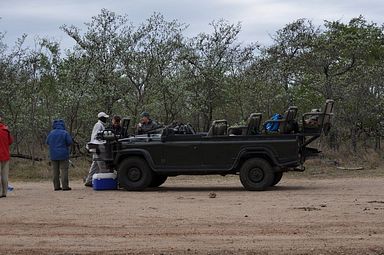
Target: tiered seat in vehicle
(317, 121)
(252, 127)
(218, 128)
(313, 123)
(287, 124)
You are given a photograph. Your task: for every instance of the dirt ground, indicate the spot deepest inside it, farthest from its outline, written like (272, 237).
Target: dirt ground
(299, 216)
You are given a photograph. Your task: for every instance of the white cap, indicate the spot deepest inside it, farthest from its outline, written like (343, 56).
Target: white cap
(102, 114)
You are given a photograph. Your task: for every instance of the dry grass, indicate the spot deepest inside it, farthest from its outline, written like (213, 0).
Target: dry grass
(24, 170)
(325, 166)
(317, 169)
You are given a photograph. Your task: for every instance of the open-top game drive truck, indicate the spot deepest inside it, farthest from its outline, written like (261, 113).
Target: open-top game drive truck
(258, 155)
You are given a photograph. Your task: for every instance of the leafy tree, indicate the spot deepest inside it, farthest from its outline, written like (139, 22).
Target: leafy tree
(285, 59)
(150, 63)
(209, 58)
(101, 45)
(124, 69)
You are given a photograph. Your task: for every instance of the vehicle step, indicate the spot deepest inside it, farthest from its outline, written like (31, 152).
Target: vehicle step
(299, 169)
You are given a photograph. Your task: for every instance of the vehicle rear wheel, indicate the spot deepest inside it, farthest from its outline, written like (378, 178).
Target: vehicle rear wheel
(134, 174)
(158, 180)
(277, 178)
(256, 174)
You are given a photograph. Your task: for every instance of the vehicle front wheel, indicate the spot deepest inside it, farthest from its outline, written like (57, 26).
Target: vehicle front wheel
(158, 180)
(134, 174)
(256, 174)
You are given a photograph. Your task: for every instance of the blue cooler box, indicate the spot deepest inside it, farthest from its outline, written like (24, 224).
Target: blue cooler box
(104, 181)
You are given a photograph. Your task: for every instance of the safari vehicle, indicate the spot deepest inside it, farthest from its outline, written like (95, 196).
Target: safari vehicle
(259, 156)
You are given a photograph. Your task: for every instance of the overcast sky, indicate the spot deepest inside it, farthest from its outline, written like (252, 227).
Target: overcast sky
(259, 18)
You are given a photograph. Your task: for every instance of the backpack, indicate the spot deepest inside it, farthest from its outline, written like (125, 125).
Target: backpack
(274, 126)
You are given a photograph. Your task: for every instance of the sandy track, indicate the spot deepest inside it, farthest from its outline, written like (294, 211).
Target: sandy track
(338, 216)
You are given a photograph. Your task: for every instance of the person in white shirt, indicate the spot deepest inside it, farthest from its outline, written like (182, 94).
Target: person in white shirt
(97, 166)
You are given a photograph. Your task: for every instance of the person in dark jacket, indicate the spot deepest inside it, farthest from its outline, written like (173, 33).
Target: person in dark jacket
(5, 141)
(146, 124)
(59, 141)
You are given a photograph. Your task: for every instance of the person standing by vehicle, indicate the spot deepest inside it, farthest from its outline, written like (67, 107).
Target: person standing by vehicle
(59, 141)
(5, 141)
(146, 124)
(97, 165)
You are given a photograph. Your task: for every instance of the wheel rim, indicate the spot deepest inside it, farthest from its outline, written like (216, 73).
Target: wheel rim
(256, 175)
(134, 174)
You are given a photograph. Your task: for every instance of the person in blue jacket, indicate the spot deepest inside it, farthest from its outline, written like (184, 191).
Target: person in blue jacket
(59, 141)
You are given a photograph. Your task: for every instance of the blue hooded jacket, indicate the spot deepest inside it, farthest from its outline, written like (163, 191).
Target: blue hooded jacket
(59, 141)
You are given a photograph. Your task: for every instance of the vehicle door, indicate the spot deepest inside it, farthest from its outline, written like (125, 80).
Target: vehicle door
(182, 152)
(219, 152)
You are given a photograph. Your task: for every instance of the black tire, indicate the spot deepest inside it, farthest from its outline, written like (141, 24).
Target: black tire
(134, 174)
(256, 174)
(157, 180)
(277, 178)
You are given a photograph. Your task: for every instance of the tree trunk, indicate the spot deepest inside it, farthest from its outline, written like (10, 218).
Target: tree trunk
(377, 142)
(333, 140)
(354, 139)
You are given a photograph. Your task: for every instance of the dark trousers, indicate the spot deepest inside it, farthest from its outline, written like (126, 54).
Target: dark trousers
(60, 172)
(4, 171)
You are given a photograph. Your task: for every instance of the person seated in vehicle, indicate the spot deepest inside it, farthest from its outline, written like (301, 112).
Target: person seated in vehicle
(146, 124)
(313, 121)
(118, 130)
